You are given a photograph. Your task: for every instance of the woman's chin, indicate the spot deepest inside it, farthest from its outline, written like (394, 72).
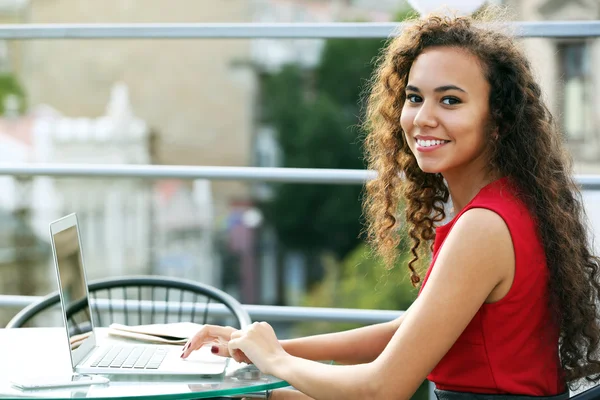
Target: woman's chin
(428, 168)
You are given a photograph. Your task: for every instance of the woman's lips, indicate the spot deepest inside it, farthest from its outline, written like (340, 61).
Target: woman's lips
(426, 149)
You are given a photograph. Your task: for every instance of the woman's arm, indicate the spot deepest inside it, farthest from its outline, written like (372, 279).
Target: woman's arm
(477, 257)
(289, 394)
(356, 346)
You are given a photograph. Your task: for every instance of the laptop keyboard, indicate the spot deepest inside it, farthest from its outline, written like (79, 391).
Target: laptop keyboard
(131, 357)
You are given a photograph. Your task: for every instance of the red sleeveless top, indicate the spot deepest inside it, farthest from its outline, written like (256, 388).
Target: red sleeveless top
(510, 346)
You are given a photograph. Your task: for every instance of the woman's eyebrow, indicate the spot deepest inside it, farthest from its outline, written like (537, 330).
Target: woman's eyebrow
(445, 88)
(439, 89)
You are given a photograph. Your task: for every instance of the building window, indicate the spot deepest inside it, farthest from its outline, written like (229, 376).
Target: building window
(576, 100)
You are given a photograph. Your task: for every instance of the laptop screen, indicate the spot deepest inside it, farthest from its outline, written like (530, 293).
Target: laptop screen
(72, 284)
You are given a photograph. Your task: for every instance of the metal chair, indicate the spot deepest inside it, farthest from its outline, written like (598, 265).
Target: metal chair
(590, 394)
(140, 300)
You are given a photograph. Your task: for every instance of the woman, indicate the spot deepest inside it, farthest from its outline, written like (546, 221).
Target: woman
(455, 113)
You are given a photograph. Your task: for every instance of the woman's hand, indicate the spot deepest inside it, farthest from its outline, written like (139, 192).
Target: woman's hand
(259, 343)
(218, 337)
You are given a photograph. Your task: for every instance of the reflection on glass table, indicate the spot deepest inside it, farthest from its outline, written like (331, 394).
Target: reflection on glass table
(40, 351)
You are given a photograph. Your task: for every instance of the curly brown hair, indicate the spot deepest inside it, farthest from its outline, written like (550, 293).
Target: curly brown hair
(528, 149)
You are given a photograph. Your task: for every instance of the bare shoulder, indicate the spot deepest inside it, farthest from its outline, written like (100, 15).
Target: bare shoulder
(480, 245)
(482, 221)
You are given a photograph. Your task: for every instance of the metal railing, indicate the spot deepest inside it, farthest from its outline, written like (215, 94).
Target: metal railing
(257, 174)
(559, 29)
(257, 312)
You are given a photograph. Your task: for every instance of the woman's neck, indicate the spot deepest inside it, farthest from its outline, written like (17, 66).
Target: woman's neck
(465, 187)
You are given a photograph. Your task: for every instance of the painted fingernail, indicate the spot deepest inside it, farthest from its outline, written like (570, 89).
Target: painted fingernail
(214, 349)
(181, 355)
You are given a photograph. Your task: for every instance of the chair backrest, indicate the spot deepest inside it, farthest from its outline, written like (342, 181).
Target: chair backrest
(139, 300)
(590, 394)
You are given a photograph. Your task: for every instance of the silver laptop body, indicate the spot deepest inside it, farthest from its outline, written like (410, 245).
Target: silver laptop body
(110, 358)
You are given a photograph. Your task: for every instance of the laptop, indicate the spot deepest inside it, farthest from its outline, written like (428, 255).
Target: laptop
(113, 357)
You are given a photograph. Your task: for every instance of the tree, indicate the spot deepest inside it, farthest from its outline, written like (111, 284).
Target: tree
(315, 114)
(10, 87)
(360, 281)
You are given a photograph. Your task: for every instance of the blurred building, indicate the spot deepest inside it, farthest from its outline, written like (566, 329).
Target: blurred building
(188, 91)
(23, 260)
(114, 214)
(568, 72)
(128, 226)
(195, 103)
(565, 68)
(183, 238)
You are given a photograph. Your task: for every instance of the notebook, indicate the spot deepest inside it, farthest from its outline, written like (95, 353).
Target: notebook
(176, 333)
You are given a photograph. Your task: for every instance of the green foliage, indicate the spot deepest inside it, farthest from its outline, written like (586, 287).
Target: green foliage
(346, 65)
(9, 85)
(367, 284)
(316, 217)
(315, 115)
(360, 281)
(284, 104)
(405, 13)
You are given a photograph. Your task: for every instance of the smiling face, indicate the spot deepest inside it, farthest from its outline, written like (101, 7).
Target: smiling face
(446, 112)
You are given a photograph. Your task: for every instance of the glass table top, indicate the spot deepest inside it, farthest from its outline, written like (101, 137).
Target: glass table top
(239, 381)
(43, 351)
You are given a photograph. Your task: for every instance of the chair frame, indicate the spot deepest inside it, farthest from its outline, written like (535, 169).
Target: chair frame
(166, 282)
(592, 393)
